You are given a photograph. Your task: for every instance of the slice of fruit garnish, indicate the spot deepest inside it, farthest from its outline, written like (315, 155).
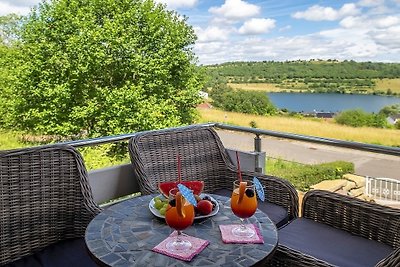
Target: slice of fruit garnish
(179, 204)
(242, 190)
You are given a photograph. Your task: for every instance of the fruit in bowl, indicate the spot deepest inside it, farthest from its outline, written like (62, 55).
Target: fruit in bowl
(196, 186)
(204, 207)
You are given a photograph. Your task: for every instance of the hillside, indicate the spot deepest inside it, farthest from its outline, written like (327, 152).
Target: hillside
(310, 76)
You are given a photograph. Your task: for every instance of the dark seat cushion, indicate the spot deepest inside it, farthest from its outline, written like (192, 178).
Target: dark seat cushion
(68, 253)
(331, 245)
(277, 214)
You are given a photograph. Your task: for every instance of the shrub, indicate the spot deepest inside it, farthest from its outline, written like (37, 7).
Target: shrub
(360, 118)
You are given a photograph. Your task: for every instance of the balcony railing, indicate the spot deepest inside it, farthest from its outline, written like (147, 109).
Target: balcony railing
(117, 181)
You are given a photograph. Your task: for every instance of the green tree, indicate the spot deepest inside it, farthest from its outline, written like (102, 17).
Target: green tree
(390, 110)
(360, 118)
(105, 67)
(10, 65)
(252, 102)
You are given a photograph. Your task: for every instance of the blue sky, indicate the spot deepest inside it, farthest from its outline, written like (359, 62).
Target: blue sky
(245, 30)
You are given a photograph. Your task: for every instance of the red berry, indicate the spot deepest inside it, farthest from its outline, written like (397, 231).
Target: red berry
(204, 207)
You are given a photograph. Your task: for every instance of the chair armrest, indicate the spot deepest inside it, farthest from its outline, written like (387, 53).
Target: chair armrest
(369, 220)
(393, 260)
(278, 191)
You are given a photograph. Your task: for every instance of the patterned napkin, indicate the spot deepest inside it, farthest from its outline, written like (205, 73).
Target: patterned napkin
(228, 237)
(197, 246)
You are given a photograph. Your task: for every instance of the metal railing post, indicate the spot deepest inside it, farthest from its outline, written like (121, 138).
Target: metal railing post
(257, 148)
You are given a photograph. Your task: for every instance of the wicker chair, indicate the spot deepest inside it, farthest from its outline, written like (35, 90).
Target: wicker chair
(337, 230)
(45, 200)
(154, 158)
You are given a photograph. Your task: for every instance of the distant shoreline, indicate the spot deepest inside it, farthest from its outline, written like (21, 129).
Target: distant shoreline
(277, 88)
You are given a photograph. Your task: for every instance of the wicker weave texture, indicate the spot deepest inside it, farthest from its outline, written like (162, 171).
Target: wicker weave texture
(203, 157)
(368, 220)
(44, 198)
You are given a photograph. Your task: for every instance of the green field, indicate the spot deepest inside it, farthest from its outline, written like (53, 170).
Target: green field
(381, 87)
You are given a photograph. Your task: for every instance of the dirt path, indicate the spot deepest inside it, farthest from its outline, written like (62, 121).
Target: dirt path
(366, 163)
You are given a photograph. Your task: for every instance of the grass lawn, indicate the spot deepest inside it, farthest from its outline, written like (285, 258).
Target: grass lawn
(305, 126)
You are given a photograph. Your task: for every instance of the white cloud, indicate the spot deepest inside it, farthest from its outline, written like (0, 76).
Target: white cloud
(352, 22)
(388, 38)
(235, 10)
(317, 12)
(370, 23)
(178, 3)
(7, 8)
(211, 34)
(20, 3)
(360, 44)
(257, 26)
(370, 3)
(387, 21)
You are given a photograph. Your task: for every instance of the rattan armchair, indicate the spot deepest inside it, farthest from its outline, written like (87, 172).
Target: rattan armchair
(45, 198)
(154, 158)
(360, 234)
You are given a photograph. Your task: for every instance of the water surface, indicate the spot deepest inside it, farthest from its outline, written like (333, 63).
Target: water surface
(308, 102)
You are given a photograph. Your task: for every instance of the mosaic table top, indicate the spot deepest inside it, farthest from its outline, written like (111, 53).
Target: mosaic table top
(124, 234)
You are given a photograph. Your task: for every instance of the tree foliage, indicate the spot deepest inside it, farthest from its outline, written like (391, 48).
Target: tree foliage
(360, 118)
(104, 67)
(10, 65)
(252, 102)
(390, 110)
(270, 71)
(314, 75)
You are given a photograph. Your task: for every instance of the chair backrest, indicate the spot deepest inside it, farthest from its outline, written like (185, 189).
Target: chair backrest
(44, 198)
(203, 157)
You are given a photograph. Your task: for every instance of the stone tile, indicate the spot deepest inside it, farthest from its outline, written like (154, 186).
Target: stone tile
(359, 180)
(330, 185)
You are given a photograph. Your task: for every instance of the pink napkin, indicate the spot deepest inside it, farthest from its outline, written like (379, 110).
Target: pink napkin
(197, 246)
(228, 237)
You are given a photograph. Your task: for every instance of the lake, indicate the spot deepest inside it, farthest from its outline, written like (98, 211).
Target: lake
(308, 102)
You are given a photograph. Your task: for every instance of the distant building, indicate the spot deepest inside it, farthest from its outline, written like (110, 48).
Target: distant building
(393, 119)
(203, 94)
(326, 115)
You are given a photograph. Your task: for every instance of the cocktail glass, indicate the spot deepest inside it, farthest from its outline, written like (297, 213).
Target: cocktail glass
(243, 205)
(179, 216)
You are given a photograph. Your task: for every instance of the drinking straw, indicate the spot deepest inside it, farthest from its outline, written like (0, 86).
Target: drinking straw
(238, 163)
(179, 168)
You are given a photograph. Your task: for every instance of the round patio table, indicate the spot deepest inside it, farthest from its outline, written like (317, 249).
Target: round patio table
(124, 234)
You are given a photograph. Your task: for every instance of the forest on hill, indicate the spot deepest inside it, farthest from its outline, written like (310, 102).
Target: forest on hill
(314, 75)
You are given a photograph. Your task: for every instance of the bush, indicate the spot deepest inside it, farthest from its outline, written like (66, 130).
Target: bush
(303, 176)
(360, 118)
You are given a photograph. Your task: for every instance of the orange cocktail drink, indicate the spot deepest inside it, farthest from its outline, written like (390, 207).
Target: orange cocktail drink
(179, 216)
(243, 205)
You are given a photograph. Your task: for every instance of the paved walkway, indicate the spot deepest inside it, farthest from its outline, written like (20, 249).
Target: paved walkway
(366, 163)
